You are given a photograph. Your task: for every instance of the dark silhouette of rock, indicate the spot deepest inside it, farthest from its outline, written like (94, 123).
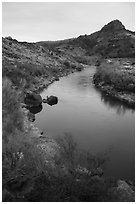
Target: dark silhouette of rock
(52, 100)
(115, 25)
(35, 109)
(32, 99)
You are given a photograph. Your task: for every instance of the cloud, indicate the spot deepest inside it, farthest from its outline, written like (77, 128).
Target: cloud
(54, 20)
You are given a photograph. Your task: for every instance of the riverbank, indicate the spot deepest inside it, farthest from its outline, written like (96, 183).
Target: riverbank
(35, 167)
(32, 67)
(116, 77)
(50, 170)
(43, 82)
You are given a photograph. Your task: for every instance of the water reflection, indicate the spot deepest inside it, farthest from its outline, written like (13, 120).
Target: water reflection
(83, 82)
(96, 120)
(120, 107)
(84, 85)
(32, 111)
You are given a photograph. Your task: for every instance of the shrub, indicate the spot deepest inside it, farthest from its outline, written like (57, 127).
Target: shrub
(68, 180)
(23, 75)
(97, 63)
(73, 65)
(79, 67)
(112, 74)
(66, 63)
(22, 161)
(81, 59)
(11, 114)
(9, 38)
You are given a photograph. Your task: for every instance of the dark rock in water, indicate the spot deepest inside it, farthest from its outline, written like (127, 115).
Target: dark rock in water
(32, 99)
(35, 109)
(52, 100)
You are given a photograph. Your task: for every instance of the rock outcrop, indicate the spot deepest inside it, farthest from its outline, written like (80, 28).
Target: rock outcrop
(113, 40)
(115, 25)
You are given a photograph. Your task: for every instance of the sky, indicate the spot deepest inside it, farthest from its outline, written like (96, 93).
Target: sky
(39, 21)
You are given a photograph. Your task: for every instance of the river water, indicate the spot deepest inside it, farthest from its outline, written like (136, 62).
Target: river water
(97, 122)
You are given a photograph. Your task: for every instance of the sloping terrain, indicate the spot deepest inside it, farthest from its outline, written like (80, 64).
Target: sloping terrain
(27, 65)
(116, 77)
(29, 62)
(32, 66)
(113, 40)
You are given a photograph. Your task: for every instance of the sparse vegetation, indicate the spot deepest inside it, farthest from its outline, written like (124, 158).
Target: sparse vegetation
(81, 59)
(29, 174)
(21, 160)
(66, 63)
(26, 175)
(11, 114)
(23, 75)
(116, 76)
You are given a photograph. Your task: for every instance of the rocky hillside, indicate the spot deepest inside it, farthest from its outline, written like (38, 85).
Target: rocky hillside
(30, 66)
(113, 40)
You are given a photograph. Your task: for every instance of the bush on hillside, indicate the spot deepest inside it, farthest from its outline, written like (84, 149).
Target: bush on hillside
(66, 63)
(81, 59)
(70, 180)
(21, 159)
(23, 75)
(11, 114)
(111, 74)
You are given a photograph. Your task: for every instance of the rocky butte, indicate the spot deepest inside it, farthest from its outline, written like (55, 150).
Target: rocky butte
(115, 25)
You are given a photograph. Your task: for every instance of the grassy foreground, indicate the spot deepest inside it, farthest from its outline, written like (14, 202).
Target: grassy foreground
(116, 77)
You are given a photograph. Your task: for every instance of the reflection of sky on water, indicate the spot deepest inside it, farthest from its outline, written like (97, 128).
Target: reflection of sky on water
(96, 121)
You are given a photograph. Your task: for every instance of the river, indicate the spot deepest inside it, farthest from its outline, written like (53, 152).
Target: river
(98, 123)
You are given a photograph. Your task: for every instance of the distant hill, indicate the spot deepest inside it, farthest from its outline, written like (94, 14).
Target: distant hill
(113, 40)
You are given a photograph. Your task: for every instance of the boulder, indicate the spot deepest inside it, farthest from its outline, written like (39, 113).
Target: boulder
(52, 100)
(32, 99)
(35, 109)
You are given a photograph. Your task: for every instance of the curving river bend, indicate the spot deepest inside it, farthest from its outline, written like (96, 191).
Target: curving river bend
(98, 123)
